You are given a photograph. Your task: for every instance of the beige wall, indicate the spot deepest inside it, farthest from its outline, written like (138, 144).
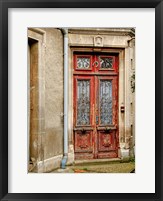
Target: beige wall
(53, 93)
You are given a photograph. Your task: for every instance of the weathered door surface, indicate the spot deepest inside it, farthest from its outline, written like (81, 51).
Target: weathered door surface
(95, 105)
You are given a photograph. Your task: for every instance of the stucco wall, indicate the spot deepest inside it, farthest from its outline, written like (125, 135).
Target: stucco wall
(53, 93)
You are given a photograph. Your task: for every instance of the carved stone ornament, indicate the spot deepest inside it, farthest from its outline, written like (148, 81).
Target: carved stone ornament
(98, 41)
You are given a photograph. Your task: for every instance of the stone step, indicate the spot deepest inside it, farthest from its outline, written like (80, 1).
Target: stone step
(97, 161)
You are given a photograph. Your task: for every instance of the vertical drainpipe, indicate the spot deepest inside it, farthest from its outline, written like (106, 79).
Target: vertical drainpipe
(65, 148)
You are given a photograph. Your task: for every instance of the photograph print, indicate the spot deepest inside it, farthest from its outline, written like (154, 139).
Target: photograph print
(81, 100)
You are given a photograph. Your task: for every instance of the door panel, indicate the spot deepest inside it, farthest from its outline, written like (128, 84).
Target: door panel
(83, 100)
(95, 106)
(106, 141)
(106, 100)
(83, 141)
(83, 121)
(83, 144)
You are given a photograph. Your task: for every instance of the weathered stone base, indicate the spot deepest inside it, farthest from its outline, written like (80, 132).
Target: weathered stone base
(132, 152)
(50, 164)
(71, 156)
(125, 154)
(53, 163)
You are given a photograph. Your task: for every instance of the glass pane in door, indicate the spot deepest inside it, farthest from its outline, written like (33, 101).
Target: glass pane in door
(83, 102)
(105, 102)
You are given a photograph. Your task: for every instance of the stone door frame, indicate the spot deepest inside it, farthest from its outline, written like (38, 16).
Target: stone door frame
(36, 141)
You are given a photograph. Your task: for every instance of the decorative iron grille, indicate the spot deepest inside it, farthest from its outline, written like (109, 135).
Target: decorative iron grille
(83, 102)
(105, 102)
(106, 62)
(83, 63)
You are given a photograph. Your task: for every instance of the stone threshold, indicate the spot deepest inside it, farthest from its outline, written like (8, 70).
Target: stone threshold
(97, 161)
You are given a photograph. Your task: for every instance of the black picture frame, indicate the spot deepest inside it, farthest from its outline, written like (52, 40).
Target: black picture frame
(4, 5)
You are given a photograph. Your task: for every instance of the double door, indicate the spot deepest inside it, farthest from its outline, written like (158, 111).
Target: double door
(95, 103)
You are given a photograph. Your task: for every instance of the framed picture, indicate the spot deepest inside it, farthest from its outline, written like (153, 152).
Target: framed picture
(81, 100)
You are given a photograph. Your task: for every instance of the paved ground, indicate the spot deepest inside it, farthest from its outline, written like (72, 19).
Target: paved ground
(128, 167)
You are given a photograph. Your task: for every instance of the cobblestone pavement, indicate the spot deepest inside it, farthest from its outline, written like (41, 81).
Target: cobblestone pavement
(128, 167)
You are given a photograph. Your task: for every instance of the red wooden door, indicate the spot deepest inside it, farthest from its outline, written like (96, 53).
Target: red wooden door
(95, 106)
